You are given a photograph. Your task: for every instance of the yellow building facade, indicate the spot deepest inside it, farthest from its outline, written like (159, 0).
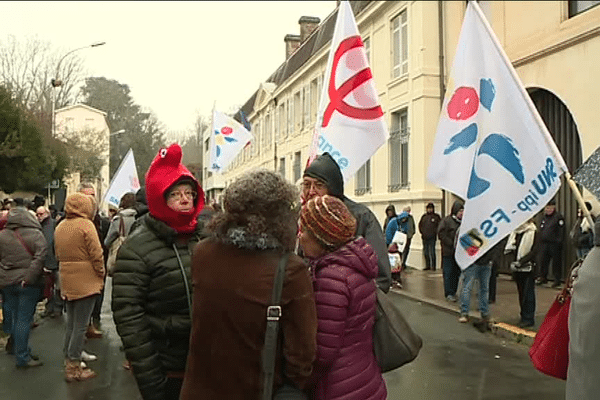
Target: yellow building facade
(554, 46)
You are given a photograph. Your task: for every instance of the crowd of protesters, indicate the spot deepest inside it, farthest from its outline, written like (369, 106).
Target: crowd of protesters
(181, 265)
(192, 282)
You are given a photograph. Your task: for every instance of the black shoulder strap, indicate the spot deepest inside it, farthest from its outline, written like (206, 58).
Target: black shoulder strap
(273, 315)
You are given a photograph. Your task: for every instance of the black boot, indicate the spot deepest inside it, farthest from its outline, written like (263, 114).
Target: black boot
(9, 346)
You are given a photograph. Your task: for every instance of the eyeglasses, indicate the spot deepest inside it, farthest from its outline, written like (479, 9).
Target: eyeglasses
(190, 194)
(318, 185)
(40, 214)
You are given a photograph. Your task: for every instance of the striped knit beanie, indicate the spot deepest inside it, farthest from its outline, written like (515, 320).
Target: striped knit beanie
(329, 220)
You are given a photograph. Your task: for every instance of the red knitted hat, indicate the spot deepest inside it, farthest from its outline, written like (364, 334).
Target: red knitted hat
(166, 170)
(329, 220)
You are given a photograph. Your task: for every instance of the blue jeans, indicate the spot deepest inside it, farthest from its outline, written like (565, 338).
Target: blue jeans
(482, 273)
(429, 253)
(451, 272)
(21, 302)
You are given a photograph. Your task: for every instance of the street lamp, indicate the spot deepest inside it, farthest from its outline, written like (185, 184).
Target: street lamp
(117, 132)
(57, 82)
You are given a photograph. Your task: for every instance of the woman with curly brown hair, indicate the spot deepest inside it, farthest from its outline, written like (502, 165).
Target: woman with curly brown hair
(233, 272)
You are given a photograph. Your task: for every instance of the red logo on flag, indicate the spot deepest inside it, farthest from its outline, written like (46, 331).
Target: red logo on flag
(336, 96)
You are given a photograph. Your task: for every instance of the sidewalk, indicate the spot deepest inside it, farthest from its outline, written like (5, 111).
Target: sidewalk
(428, 287)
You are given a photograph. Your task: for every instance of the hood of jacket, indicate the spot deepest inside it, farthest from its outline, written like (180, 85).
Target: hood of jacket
(166, 169)
(20, 217)
(128, 212)
(356, 254)
(325, 169)
(456, 207)
(79, 205)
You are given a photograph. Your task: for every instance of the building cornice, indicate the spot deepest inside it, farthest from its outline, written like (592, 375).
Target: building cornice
(556, 47)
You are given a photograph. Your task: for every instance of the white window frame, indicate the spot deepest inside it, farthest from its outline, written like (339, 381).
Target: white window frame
(399, 31)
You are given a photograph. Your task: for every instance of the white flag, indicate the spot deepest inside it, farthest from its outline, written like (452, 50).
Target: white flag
(125, 180)
(491, 146)
(228, 137)
(350, 124)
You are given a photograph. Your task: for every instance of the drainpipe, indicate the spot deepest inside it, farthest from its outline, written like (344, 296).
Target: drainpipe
(442, 73)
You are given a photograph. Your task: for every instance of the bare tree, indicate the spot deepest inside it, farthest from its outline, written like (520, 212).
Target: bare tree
(27, 69)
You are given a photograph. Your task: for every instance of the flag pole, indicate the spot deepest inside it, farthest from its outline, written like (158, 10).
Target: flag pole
(535, 113)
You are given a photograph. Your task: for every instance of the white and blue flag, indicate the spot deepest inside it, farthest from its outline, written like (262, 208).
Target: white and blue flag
(125, 180)
(491, 147)
(228, 137)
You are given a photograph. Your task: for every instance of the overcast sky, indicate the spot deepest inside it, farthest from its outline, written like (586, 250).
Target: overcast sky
(178, 58)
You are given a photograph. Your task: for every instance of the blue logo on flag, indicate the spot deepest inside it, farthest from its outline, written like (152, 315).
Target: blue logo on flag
(463, 105)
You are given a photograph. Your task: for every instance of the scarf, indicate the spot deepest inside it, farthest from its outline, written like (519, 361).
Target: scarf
(528, 230)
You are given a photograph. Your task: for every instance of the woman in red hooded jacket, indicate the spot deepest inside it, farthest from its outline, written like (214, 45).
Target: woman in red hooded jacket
(151, 298)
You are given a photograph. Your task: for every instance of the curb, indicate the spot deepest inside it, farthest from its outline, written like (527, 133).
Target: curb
(500, 329)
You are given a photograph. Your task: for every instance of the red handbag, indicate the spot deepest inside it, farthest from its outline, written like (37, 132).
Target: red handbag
(549, 352)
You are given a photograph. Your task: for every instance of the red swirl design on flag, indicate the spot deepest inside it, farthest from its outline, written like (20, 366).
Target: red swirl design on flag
(336, 96)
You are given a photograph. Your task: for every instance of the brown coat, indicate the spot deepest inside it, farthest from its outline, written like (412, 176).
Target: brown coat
(78, 250)
(232, 288)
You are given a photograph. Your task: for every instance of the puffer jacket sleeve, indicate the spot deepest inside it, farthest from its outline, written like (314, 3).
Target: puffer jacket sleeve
(113, 231)
(39, 249)
(373, 234)
(130, 288)
(92, 243)
(331, 298)
(299, 323)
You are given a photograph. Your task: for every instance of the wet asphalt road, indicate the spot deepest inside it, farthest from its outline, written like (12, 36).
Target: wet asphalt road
(456, 362)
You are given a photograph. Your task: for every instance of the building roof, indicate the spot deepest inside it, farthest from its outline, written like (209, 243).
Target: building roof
(72, 106)
(320, 37)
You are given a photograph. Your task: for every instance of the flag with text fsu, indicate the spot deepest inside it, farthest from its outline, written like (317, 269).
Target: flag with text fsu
(491, 148)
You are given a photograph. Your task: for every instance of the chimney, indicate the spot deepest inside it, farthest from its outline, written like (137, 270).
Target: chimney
(292, 42)
(307, 26)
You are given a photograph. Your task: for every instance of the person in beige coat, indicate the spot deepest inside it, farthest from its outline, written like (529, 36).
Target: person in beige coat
(81, 266)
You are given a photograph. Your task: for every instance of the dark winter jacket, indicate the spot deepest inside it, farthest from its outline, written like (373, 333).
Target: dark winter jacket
(387, 219)
(141, 205)
(327, 170)
(150, 302)
(21, 261)
(48, 227)
(447, 230)
(151, 298)
(428, 225)
(345, 297)
(102, 225)
(232, 289)
(552, 228)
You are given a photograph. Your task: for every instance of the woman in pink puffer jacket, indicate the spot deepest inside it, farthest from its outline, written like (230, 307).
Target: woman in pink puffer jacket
(343, 270)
